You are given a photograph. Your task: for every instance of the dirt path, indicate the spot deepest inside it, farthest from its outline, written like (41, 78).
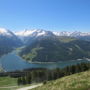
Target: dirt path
(8, 87)
(30, 87)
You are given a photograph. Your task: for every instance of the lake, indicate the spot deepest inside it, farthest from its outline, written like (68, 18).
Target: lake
(12, 62)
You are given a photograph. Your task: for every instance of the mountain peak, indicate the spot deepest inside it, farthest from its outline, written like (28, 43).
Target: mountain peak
(5, 32)
(34, 32)
(73, 34)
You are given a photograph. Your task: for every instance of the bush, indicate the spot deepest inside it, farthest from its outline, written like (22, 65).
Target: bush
(45, 82)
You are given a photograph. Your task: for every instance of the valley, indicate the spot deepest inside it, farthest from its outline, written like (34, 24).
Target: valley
(42, 49)
(13, 62)
(39, 56)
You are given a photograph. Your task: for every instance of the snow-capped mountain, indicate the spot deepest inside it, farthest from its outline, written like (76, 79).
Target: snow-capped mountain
(6, 32)
(63, 33)
(33, 34)
(73, 34)
(8, 37)
(27, 35)
(40, 32)
(30, 35)
(79, 35)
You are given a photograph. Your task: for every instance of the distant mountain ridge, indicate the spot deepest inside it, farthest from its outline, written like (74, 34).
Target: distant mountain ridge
(6, 32)
(59, 33)
(75, 33)
(30, 35)
(40, 32)
(26, 34)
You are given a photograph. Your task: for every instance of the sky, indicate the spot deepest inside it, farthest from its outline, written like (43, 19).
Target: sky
(55, 15)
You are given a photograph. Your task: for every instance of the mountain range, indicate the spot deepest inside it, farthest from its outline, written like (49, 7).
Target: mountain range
(25, 35)
(46, 46)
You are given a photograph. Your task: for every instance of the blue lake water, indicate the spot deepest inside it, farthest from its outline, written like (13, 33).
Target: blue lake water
(12, 61)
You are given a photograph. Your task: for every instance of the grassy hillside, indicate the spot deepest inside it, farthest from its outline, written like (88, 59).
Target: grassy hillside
(80, 81)
(7, 81)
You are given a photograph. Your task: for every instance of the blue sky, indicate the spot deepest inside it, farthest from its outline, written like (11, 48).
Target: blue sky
(59, 15)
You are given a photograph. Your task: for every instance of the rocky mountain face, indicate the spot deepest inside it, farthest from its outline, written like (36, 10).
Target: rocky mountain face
(28, 36)
(8, 41)
(6, 36)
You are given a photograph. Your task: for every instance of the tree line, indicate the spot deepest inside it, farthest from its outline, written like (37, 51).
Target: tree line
(42, 75)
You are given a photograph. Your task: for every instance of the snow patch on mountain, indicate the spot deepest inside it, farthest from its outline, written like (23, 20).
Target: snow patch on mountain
(25, 32)
(64, 33)
(35, 32)
(73, 34)
(5, 32)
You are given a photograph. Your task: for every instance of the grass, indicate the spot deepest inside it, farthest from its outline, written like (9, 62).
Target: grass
(79, 81)
(32, 55)
(7, 83)
(66, 39)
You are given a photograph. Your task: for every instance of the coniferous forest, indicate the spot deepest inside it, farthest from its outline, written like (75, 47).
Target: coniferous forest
(43, 75)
